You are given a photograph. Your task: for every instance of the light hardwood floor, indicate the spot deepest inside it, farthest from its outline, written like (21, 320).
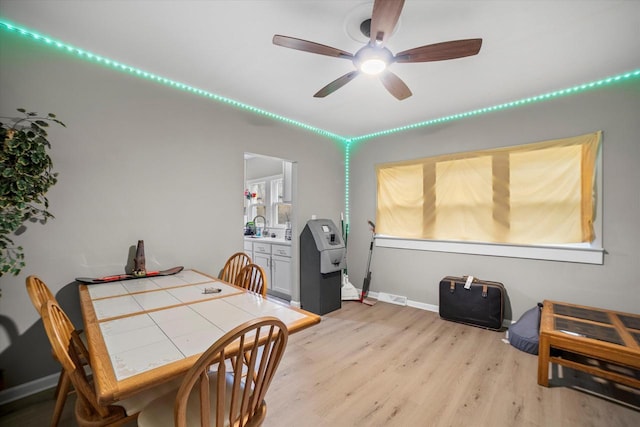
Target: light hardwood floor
(388, 365)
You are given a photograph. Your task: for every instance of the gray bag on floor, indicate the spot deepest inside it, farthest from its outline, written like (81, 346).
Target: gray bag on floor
(525, 333)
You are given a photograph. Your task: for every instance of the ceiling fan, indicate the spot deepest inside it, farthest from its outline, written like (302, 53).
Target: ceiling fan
(374, 57)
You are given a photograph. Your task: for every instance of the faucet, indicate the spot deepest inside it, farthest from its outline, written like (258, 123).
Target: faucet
(264, 220)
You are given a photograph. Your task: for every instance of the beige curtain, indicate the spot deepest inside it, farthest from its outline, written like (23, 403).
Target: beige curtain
(539, 193)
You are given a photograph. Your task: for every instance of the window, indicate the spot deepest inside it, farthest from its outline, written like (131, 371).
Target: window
(463, 200)
(537, 194)
(268, 201)
(256, 199)
(281, 211)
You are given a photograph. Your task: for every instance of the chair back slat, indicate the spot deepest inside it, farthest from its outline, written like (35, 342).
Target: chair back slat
(232, 267)
(252, 278)
(239, 399)
(205, 413)
(39, 293)
(221, 390)
(265, 370)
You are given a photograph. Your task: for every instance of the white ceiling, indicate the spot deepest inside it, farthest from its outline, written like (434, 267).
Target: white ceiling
(224, 47)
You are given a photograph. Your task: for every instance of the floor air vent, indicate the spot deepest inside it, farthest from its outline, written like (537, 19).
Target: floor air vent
(393, 299)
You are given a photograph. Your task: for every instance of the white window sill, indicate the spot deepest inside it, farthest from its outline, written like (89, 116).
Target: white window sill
(574, 253)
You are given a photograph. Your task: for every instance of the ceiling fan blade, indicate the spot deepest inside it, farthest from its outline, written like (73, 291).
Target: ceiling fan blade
(384, 19)
(336, 84)
(312, 47)
(440, 51)
(395, 85)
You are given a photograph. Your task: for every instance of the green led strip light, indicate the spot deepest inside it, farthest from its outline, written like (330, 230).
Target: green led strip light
(347, 158)
(178, 85)
(168, 82)
(346, 141)
(518, 103)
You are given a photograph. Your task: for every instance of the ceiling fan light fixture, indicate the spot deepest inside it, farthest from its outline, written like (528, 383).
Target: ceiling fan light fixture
(373, 66)
(372, 60)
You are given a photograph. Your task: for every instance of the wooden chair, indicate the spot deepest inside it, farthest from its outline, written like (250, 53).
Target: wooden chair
(70, 351)
(232, 267)
(211, 396)
(40, 294)
(252, 278)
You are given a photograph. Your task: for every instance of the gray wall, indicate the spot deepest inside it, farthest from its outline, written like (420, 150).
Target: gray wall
(137, 161)
(416, 274)
(260, 167)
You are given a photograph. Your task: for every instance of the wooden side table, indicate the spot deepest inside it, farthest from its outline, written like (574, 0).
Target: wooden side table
(605, 335)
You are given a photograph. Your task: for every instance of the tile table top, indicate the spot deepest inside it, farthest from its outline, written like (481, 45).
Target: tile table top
(151, 323)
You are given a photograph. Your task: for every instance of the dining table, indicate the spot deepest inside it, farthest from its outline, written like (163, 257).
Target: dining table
(146, 332)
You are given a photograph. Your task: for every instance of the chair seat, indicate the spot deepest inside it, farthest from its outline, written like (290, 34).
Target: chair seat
(159, 413)
(139, 401)
(124, 410)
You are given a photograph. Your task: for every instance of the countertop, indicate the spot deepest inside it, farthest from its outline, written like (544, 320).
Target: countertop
(274, 240)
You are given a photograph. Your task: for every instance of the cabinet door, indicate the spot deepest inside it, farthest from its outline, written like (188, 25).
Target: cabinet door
(264, 261)
(248, 249)
(281, 274)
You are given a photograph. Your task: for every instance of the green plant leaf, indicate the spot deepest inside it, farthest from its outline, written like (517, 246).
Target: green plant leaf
(26, 171)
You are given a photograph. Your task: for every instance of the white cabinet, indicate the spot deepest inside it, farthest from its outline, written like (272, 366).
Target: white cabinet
(262, 257)
(275, 260)
(281, 269)
(248, 249)
(281, 274)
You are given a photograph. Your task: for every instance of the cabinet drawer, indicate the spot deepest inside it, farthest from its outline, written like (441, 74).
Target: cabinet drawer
(263, 248)
(248, 247)
(281, 250)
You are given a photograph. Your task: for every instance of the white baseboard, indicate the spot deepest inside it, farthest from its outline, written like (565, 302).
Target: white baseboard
(424, 306)
(295, 304)
(27, 389)
(397, 299)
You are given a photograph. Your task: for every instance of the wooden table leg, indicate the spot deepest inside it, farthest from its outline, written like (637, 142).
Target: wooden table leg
(543, 361)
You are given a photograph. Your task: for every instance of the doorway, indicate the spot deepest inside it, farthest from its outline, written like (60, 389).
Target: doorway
(269, 215)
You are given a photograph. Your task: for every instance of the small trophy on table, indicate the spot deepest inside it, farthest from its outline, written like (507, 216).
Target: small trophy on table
(139, 268)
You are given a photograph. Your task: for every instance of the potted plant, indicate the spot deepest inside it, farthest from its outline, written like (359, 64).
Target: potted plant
(25, 177)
